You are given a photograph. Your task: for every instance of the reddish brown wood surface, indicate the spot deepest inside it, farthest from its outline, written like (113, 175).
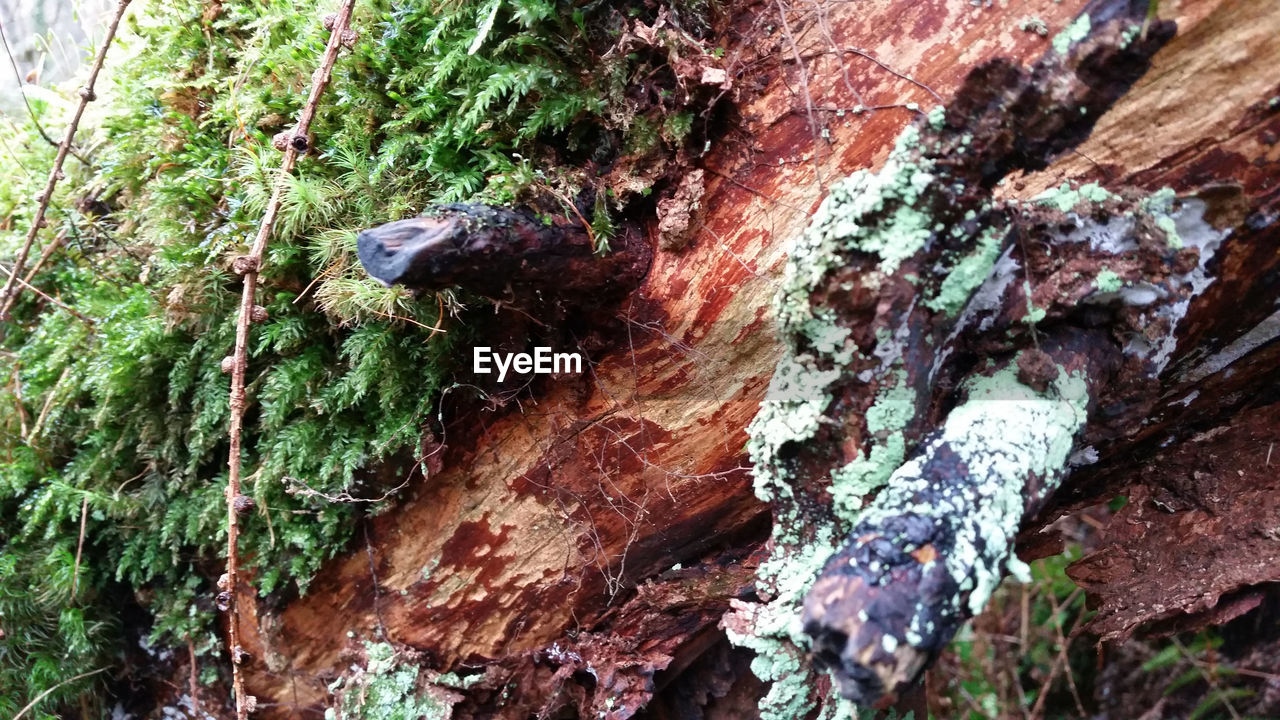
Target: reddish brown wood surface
(548, 513)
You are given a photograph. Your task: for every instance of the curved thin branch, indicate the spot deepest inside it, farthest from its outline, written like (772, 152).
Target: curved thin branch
(296, 142)
(10, 292)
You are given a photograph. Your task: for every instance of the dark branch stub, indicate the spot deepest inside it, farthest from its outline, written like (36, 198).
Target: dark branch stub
(501, 253)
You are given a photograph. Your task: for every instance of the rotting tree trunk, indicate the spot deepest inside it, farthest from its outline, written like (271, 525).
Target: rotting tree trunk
(544, 549)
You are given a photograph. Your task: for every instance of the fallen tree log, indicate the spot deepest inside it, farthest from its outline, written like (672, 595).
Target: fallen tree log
(540, 560)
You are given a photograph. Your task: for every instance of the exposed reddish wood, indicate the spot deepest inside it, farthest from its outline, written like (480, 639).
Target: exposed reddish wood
(546, 517)
(1202, 523)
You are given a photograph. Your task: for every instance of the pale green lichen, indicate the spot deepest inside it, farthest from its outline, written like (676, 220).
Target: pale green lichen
(386, 689)
(799, 392)
(1065, 198)
(867, 213)
(886, 418)
(840, 226)
(967, 274)
(1035, 25)
(937, 117)
(1170, 228)
(1074, 33)
(791, 412)
(776, 636)
(1108, 281)
(873, 214)
(1128, 34)
(1160, 205)
(894, 406)
(1004, 433)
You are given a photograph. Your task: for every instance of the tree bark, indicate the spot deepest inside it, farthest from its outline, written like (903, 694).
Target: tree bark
(577, 549)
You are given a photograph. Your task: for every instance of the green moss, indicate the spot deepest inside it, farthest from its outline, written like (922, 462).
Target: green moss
(342, 377)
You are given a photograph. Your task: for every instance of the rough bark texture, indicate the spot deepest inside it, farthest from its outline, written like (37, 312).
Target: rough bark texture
(541, 557)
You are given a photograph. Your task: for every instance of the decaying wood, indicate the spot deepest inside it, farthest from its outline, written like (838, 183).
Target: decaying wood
(925, 554)
(548, 540)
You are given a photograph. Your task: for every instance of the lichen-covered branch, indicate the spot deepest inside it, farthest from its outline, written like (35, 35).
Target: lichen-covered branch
(914, 287)
(930, 549)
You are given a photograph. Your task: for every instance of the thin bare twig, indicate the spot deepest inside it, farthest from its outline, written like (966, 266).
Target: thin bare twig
(377, 592)
(17, 74)
(1208, 680)
(48, 405)
(1062, 646)
(19, 402)
(883, 66)
(298, 141)
(45, 254)
(821, 13)
(193, 678)
(75, 572)
(45, 296)
(10, 292)
(808, 98)
(1060, 662)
